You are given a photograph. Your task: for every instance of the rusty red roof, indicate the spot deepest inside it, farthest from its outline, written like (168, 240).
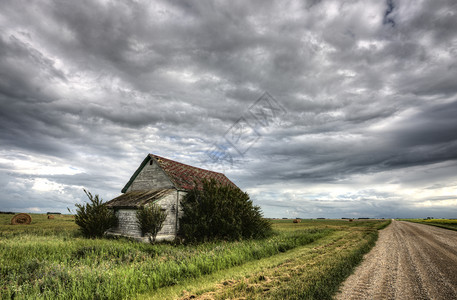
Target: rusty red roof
(183, 176)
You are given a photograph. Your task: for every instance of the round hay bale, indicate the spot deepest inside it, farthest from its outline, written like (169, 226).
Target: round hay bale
(21, 219)
(50, 217)
(297, 221)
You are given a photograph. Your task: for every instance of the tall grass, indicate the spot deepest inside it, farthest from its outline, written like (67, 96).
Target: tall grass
(42, 261)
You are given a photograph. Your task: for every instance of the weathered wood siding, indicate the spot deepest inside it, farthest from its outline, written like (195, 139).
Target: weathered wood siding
(181, 195)
(129, 227)
(150, 177)
(169, 226)
(127, 223)
(172, 205)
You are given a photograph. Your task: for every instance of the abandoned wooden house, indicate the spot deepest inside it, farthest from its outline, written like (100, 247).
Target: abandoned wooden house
(162, 181)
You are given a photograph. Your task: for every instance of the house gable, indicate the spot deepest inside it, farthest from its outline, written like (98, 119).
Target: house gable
(148, 176)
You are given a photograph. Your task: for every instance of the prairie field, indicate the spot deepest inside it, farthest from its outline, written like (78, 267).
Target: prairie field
(49, 259)
(443, 223)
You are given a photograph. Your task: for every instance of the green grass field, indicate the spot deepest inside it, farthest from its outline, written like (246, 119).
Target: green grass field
(443, 223)
(49, 259)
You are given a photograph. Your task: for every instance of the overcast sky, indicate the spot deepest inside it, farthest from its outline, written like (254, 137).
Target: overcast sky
(315, 108)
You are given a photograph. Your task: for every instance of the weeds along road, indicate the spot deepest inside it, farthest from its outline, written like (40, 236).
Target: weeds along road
(409, 261)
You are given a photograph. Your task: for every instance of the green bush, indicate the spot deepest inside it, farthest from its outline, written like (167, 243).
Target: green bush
(94, 218)
(220, 212)
(150, 220)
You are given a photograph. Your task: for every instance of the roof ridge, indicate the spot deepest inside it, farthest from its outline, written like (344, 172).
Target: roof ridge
(157, 156)
(182, 176)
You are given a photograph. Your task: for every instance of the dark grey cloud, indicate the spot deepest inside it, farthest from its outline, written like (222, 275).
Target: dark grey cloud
(88, 88)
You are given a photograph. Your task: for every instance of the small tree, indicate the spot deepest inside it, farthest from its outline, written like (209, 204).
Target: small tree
(213, 211)
(94, 218)
(150, 220)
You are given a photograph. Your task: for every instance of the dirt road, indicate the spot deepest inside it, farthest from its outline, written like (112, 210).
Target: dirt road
(409, 261)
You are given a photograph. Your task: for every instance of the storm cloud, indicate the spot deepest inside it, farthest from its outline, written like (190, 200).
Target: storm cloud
(363, 93)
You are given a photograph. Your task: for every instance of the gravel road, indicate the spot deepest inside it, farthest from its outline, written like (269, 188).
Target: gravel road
(409, 261)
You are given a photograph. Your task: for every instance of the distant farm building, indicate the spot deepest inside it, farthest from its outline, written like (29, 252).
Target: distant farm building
(164, 182)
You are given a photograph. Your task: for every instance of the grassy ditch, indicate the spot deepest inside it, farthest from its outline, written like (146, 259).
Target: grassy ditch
(313, 271)
(48, 259)
(443, 223)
